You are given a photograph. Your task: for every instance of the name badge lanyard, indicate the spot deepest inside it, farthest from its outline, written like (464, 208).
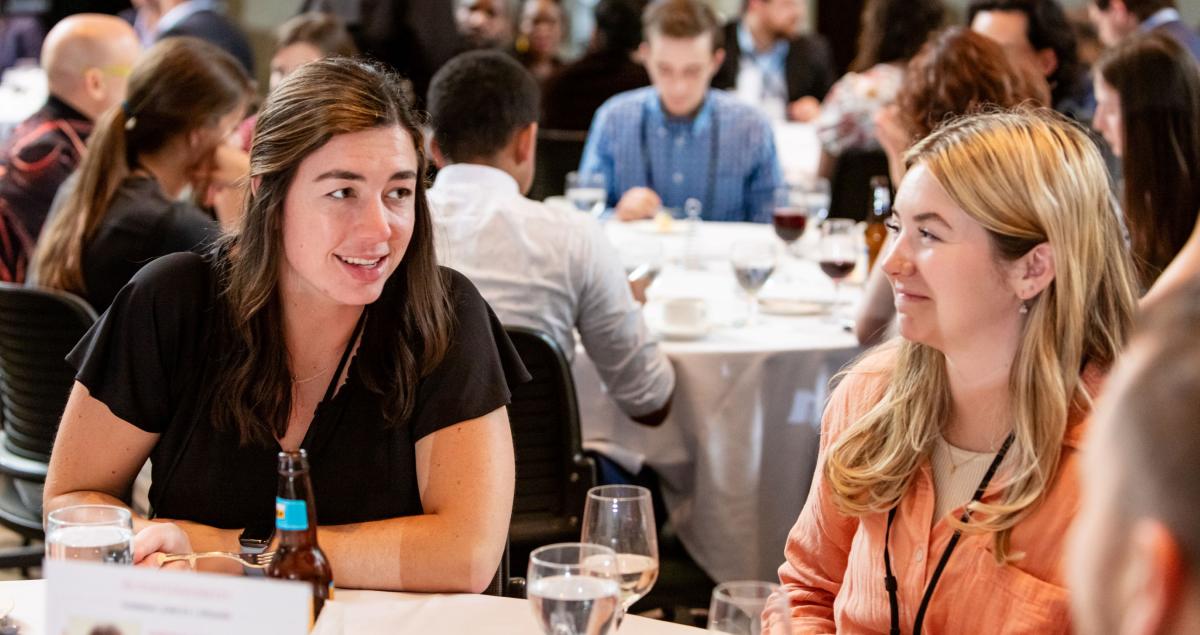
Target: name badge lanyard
(889, 581)
(710, 199)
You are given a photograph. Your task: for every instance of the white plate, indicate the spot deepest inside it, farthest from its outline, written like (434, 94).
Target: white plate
(677, 226)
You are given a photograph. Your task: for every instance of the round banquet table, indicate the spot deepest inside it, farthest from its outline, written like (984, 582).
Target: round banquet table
(736, 455)
(377, 612)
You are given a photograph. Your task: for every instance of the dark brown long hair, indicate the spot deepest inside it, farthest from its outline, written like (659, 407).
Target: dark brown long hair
(894, 30)
(408, 328)
(960, 72)
(179, 85)
(1159, 84)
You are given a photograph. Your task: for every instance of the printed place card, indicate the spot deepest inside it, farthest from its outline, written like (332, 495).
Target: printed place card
(83, 598)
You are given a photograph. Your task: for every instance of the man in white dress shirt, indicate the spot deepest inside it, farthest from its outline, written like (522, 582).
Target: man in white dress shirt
(538, 267)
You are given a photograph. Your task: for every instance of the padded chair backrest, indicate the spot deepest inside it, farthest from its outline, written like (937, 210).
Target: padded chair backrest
(850, 186)
(553, 475)
(558, 152)
(38, 327)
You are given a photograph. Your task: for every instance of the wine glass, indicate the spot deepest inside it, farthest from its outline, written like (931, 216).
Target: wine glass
(753, 263)
(748, 608)
(573, 588)
(838, 254)
(814, 195)
(587, 192)
(789, 216)
(621, 517)
(91, 533)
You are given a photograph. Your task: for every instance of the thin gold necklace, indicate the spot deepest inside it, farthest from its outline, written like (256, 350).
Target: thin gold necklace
(308, 379)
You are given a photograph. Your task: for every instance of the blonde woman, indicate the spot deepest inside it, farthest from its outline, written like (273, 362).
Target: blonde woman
(1014, 293)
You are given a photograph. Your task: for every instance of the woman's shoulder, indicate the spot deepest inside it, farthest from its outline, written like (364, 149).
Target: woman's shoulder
(463, 294)
(183, 278)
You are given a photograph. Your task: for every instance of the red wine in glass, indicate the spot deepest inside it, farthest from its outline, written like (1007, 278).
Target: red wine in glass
(837, 269)
(789, 224)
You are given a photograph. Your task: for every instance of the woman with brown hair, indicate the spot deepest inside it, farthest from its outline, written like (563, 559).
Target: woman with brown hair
(323, 323)
(1148, 109)
(123, 210)
(957, 72)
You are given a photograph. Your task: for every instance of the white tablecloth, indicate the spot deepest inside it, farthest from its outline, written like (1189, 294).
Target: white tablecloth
(375, 612)
(737, 453)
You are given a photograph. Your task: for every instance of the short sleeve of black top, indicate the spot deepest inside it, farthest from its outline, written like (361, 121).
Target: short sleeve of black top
(146, 359)
(140, 225)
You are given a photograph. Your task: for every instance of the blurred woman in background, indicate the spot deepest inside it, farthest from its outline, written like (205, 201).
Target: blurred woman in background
(1148, 109)
(185, 98)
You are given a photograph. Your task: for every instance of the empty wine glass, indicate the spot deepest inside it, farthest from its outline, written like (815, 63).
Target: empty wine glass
(621, 517)
(91, 533)
(587, 191)
(573, 588)
(748, 608)
(814, 196)
(838, 254)
(753, 263)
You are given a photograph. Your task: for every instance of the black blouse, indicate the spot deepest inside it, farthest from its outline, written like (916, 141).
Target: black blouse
(140, 225)
(148, 360)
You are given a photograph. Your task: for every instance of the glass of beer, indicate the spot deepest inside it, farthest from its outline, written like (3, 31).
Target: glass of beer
(573, 589)
(91, 533)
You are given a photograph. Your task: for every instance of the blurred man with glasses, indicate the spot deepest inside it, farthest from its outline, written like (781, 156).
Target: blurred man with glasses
(87, 59)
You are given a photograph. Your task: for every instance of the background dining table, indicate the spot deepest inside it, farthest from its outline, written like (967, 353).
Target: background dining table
(735, 456)
(375, 613)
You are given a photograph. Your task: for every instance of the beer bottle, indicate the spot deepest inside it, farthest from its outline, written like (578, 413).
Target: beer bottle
(881, 208)
(298, 556)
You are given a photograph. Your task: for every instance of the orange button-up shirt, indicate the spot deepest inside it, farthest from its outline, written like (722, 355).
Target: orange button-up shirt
(834, 573)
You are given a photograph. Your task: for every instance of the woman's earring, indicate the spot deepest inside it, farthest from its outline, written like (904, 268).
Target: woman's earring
(1024, 310)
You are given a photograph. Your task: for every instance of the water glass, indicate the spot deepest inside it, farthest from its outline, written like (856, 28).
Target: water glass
(749, 608)
(573, 588)
(813, 195)
(621, 517)
(92, 533)
(753, 263)
(587, 192)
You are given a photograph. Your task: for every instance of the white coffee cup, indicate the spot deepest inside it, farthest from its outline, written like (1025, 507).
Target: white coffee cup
(685, 313)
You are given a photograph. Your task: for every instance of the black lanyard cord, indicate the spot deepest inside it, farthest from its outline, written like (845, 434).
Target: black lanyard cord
(713, 146)
(889, 580)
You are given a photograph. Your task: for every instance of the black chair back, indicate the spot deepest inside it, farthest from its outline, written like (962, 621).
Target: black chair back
(38, 328)
(553, 474)
(850, 186)
(558, 152)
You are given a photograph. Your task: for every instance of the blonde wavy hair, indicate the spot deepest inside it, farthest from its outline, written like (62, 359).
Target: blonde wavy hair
(1029, 177)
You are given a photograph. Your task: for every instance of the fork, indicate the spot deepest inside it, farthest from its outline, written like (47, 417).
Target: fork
(252, 560)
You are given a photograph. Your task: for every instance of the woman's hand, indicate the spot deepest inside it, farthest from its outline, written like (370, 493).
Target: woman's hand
(890, 132)
(222, 181)
(894, 139)
(160, 538)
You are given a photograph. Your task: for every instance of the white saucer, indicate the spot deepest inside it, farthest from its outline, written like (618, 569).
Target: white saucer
(683, 333)
(792, 306)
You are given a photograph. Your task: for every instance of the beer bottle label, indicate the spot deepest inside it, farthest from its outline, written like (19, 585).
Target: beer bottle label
(290, 514)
